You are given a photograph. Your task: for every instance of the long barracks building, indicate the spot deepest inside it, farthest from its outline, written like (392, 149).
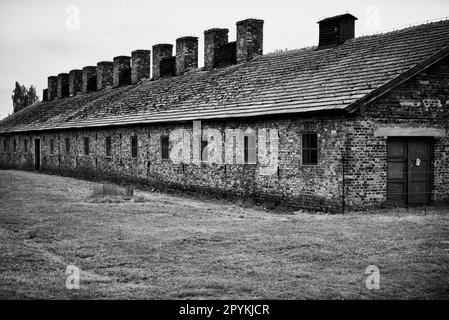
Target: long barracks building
(349, 123)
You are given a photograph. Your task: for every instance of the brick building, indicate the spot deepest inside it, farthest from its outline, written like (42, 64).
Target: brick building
(352, 122)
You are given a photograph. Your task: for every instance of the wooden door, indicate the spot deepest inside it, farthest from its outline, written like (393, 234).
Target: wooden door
(37, 154)
(409, 171)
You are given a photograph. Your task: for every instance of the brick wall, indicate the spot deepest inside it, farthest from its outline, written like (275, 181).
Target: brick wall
(296, 185)
(352, 168)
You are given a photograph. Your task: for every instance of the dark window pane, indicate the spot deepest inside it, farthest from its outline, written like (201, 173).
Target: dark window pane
(67, 145)
(86, 146)
(204, 150)
(108, 146)
(309, 148)
(134, 146)
(165, 147)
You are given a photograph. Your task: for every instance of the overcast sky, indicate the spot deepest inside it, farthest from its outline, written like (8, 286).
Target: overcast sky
(47, 37)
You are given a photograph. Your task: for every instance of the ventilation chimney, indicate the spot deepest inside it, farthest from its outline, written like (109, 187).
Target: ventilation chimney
(336, 30)
(213, 40)
(249, 39)
(140, 65)
(160, 53)
(186, 54)
(122, 71)
(104, 74)
(75, 82)
(45, 95)
(89, 79)
(63, 85)
(52, 87)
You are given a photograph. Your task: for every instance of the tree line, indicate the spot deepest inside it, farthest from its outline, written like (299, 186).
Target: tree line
(23, 97)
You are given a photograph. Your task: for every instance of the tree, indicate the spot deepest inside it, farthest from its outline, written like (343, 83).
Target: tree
(23, 97)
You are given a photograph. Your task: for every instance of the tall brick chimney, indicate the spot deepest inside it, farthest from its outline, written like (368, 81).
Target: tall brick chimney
(105, 70)
(52, 87)
(75, 82)
(89, 79)
(249, 39)
(63, 85)
(122, 71)
(186, 54)
(160, 52)
(336, 30)
(140, 65)
(213, 40)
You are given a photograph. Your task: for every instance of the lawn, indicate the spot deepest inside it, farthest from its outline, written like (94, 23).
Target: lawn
(160, 246)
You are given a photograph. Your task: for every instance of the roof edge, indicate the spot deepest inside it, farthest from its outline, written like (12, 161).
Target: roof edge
(400, 79)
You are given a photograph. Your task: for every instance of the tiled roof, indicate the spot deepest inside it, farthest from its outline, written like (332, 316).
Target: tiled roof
(283, 83)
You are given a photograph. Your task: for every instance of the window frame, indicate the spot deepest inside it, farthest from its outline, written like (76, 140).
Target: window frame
(67, 145)
(108, 146)
(52, 146)
(309, 149)
(134, 148)
(165, 151)
(86, 146)
(247, 148)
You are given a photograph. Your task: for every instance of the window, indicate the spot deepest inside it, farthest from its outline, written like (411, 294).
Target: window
(52, 146)
(133, 146)
(67, 145)
(309, 149)
(250, 148)
(86, 146)
(25, 145)
(14, 145)
(5, 145)
(108, 146)
(204, 152)
(165, 147)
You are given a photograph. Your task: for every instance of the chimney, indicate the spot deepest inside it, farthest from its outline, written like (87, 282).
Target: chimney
(140, 65)
(249, 39)
(45, 95)
(75, 82)
(89, 79)
(213, 40)
(63, 85)
(104, 74)
(122, 71)
(52, 87)
(336, 30)
(160, 52)
(186, 54)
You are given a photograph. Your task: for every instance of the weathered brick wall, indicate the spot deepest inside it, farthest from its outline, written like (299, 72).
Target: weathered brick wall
(314, 187)
(352, 168)
(422, 101)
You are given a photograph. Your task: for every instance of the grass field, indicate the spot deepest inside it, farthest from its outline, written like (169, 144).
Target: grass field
(167, 247)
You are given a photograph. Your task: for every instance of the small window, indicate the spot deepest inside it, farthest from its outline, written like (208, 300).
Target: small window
(67, 145)
(204, 153)
(5, 145)
(14, 145)
(108, 146)
(86, 146)
(52, 146)
(250, 149)
(165, 147)
(133, 146)
(309, 149)
(25, 145)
